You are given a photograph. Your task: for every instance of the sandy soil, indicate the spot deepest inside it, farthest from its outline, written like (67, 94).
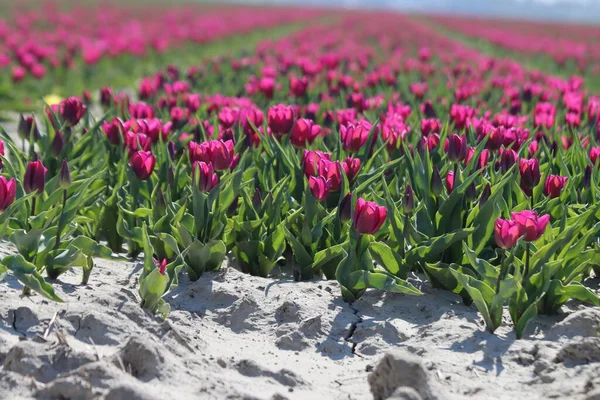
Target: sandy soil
(234, 336)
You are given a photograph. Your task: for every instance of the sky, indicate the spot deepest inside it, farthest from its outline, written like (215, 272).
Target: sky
(587, 11)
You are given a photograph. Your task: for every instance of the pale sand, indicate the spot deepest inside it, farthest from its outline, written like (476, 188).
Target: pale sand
(231, 335)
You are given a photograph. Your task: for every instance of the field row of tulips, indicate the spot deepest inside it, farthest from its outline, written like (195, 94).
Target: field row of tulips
(49, 49)
(571, 47)
(364, 151)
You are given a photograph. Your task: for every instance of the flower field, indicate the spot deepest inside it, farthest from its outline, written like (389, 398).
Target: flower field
(368, 152)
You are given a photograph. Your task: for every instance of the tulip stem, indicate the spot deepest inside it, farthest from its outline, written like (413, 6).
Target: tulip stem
(456, 180)
(64, 202)
(531, 200)
(133, 251)
(32, 210)
(358, 243)
(527, 251)
(405, 230)
(502, 270)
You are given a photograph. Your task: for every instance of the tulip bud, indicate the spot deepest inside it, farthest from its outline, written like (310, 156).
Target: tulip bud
(352, 167)
(221, 153)
(203, 176)
(450, 182)
(304, 131)
(345, 209)
(554, 185)
(298, 86)
(142, 163)
(471, 192)
(113, 131)
(64, 176)
(280, 119)
(18, 73)
(86, 97)
(172, 150)
(495, 138)
(319, 187)
(457, 147)
(428, 110)
(72, 110)
(408, 201)
(57, 144)
(170, 176)
(27, 127)
(508, 158)
(594, 154)
(51, 112)
(368, 216)
(587, 177)
(233, 207)
(355, 135)
(485, 194)
(161, 203)
(106, 97)
(507, 233)
(533, 226)
(35, 177)
(161, 266)
(8, 190)
(311, 159)
(257, 198)
(530, 174)
(234, 162)
(436, 182)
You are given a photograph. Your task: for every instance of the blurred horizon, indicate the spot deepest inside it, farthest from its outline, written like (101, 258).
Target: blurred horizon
(567, 11)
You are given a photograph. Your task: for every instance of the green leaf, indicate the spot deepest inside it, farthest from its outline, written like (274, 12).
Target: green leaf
(574, 251)
(482, 296)
(448, 206)
(231, 188)
(200, 257)
(486, 217)
(326, 255)
(90, 247)
(303, 258)
(26, 273)
(359, 280)
(389, 259)
(440, 276)
(558, 294)
(429, 252)
(544, 254)
(529, 314)
(374, 176)
(12, 209)
(148, 250)
(60, 261)
(26, 242)
(152, 287)
(481, 266)
(74, 203)
(274, 244)
(140, 212)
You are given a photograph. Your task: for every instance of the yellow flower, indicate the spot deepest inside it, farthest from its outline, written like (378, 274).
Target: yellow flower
(52, 99)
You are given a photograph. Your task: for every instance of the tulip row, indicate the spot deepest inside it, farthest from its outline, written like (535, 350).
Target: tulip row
(363, 155)
(569, 48)
(51, 49)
